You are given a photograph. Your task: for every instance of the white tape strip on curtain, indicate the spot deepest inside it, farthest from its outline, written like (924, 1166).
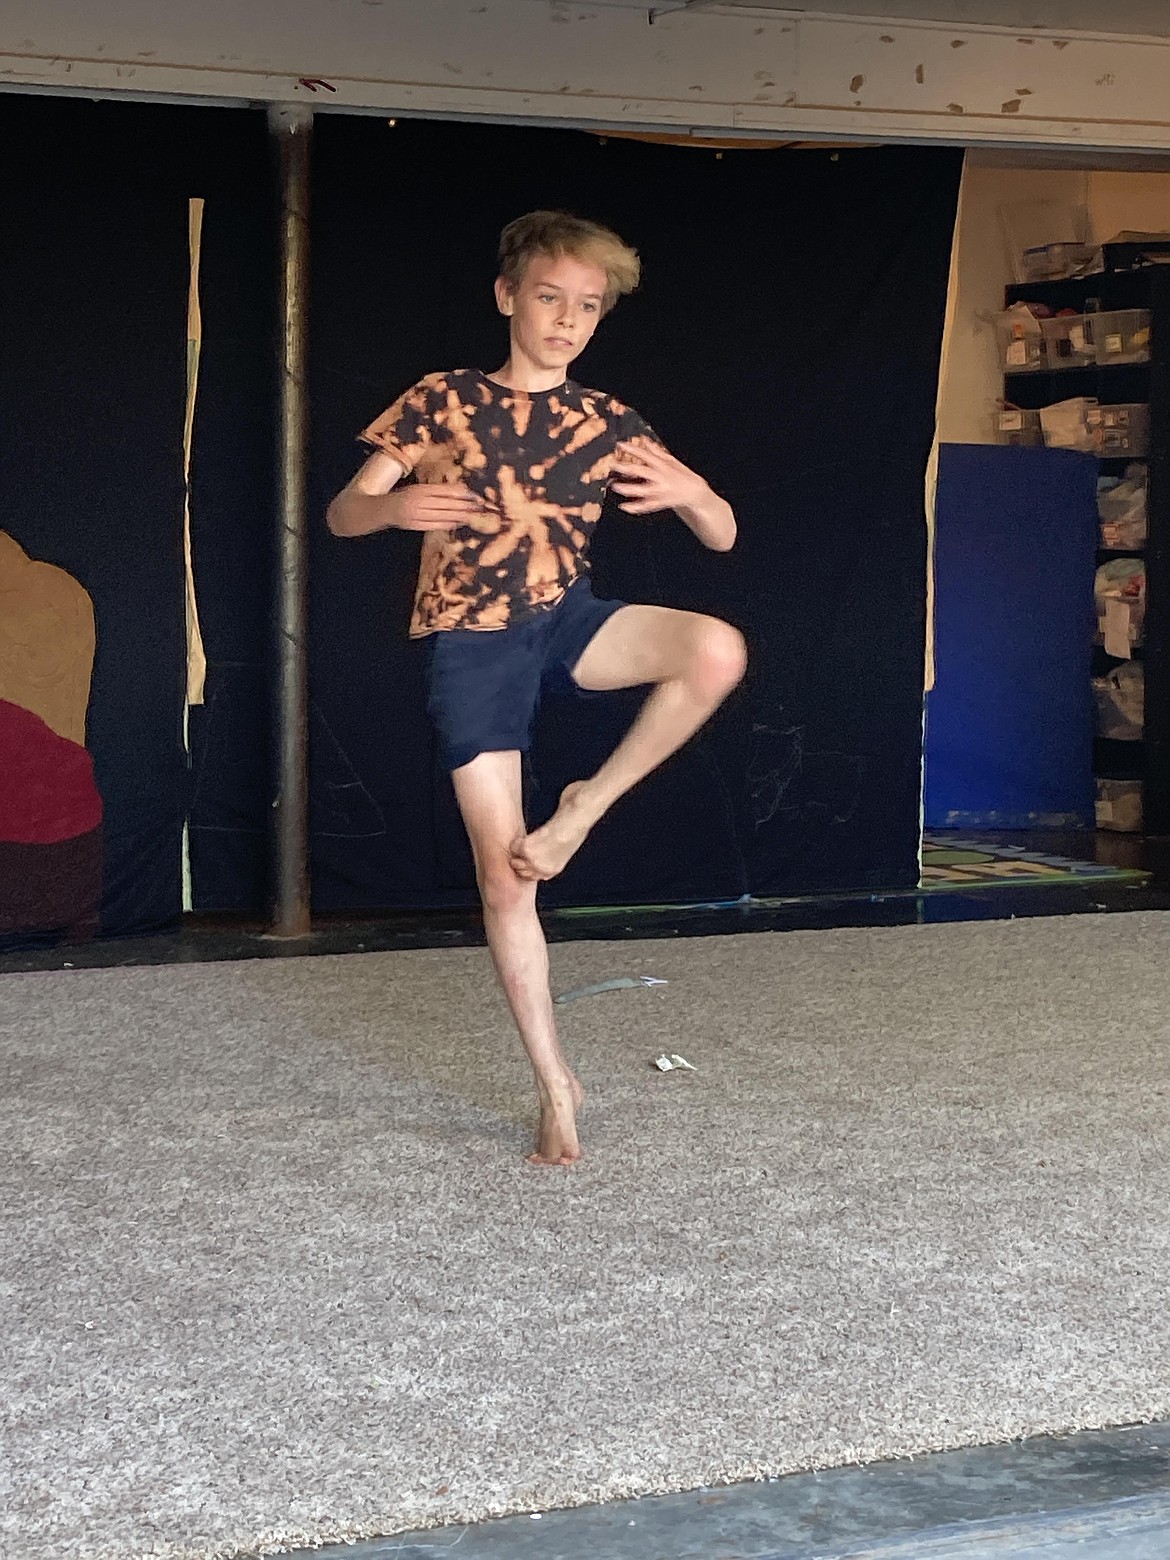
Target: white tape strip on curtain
(196, 659)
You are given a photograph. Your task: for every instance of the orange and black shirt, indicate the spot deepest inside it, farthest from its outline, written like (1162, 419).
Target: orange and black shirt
(540, 460)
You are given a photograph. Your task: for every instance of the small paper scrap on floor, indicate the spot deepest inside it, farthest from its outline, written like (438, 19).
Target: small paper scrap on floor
(621, 983)
(666, 1063)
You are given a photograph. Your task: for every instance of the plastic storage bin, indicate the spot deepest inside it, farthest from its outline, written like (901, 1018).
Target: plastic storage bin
(1050, 262)
(1122, 506)
(1122, 430)
(1068, 341)
(1119, 806)
(1016, 426)
(1121, 336)
(1020, 340)
(1066, 424)
(1041, 236)
(1120, 593)
(1120, 699)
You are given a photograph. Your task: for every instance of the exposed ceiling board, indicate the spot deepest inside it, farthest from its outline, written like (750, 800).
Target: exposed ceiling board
(1067, 159)
(1149, 18)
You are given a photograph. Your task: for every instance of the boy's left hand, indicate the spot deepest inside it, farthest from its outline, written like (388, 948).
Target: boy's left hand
(655, 479)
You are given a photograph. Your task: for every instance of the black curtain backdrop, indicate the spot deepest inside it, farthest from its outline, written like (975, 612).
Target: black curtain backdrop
(785, 343)
(94, 272)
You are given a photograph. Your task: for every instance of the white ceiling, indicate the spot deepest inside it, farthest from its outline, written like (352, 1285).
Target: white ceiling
(1150, 18)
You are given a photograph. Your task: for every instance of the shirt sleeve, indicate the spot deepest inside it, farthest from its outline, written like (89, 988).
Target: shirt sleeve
(406, 430)
(632, 425)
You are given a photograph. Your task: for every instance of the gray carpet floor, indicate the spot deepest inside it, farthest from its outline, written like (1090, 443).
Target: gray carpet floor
(274, 1271)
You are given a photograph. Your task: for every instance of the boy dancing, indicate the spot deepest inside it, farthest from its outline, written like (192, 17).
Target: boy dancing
(509, 473)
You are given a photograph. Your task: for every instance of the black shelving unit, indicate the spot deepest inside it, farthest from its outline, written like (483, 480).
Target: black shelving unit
(1114, 384)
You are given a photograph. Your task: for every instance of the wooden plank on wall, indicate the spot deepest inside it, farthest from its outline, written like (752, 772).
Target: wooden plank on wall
(743, 69)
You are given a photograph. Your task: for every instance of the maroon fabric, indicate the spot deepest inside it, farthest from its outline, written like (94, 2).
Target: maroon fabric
(47, 790)
(51, 888)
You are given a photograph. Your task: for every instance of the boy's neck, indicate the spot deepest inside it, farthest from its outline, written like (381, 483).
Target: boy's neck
(519, 374)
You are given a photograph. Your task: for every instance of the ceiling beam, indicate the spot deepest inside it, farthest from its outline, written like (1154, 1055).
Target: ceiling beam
(749, 71)
(656, 11)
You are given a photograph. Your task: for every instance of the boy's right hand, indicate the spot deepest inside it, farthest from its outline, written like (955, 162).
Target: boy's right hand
(432, 506)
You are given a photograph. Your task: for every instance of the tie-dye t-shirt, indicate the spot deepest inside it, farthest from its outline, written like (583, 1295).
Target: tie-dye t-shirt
(540, 460)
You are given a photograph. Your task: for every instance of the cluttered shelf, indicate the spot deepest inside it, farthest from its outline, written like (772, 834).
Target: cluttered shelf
(1127, 290)
(1082, 372)
(1068, 274)
(1038, 338)
(1120, 765)
(1031, 391)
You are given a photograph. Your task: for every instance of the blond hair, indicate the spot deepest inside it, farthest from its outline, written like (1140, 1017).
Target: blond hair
(556, 233)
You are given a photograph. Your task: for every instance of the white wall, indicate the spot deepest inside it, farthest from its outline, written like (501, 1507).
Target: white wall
(793, 73)
(1139, 201)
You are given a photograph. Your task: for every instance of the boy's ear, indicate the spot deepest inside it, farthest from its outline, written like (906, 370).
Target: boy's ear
(504, 299)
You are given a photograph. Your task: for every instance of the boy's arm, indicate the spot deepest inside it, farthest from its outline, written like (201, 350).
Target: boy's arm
(369, 503)
(655, 480)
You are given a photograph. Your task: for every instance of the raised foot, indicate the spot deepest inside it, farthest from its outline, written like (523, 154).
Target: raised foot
(548, 850)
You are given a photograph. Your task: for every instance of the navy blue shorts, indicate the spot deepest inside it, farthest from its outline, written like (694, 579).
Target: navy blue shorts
(484, 685)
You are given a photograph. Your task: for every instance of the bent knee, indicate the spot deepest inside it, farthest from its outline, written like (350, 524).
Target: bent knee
(720, 657)
(499, 888)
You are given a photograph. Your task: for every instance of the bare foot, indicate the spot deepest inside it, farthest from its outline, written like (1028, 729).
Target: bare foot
(549, 849)
(556, 1138)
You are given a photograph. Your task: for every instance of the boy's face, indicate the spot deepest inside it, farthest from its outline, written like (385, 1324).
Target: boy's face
(554, 310)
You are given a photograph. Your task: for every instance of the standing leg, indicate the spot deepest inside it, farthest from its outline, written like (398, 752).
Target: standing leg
(489, 794)
(694, 663)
